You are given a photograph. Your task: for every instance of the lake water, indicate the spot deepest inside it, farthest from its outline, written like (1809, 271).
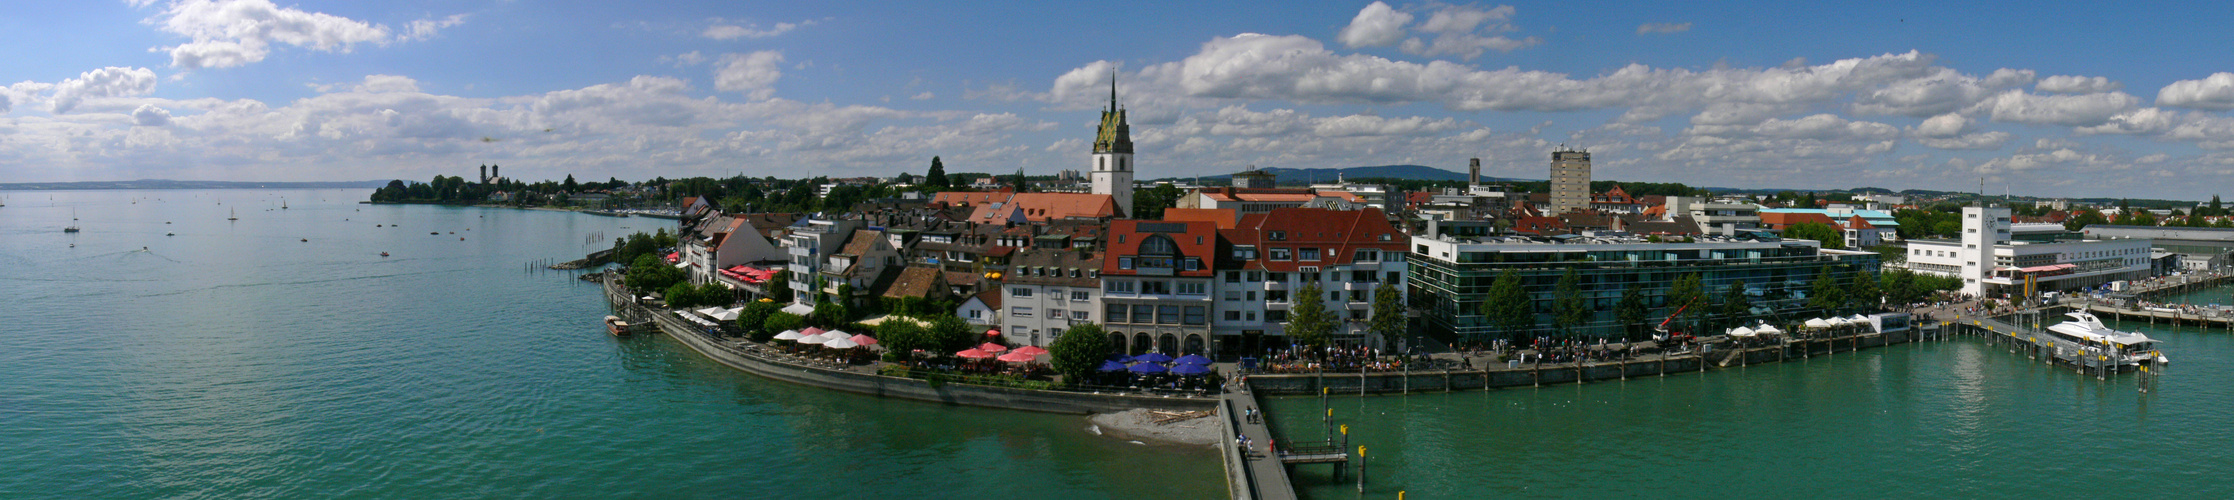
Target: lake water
(235, 360)
(1955, 419)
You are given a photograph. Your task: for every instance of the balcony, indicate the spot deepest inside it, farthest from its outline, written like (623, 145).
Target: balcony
(1275, 285)
(1360, 285)
(1359, 306)
(1279, 306)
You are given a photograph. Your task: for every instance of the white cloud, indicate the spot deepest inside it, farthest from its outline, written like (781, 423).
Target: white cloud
(388, 83)
(2064, 84)
(720, 31)
(926, 95)
(2214, 93)
(111, 81)
(2034, 161)
(2017, 106)
(1662, 28)
(752, 74)
(1936, 91)
(150, 116)
(1377, 25)
(1466, 31)
(1947, 125)
(229, 33)
(2139, 121)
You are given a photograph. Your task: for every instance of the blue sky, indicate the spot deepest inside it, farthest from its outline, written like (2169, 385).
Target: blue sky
(2057, 99)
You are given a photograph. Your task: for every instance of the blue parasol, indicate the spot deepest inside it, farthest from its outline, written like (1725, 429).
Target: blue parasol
(1187, 369)
(1111, 366)
(1153, 357)
(1148, 368)
(1193, 359)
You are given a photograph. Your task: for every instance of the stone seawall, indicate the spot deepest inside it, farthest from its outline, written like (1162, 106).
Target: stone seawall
(1535, 375)
(921, 390)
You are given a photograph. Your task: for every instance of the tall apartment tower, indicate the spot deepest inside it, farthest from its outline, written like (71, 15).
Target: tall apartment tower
(1983, 229)
(1113, 154)
(1473, 174)
(1570, 181)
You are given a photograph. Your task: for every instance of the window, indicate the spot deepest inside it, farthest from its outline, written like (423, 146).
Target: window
(1366, 255)
(1118, 286)
(1115, 313)
(1276, 316)
(1233, 276)
(1233, 296)
(1156, 287)
(1157, 244)
(1252, 294)
(1197, 315)
(1276, 235)
(1143, 313)
(1394, 277)
(1194, 264)
(1080, 316)
(1057, 314)
(1245, 252)
(1276, 296)
(1281, 254)
(1276, 277)
(1124, 262)
(977, 314)
(1191, 288)
(1167, 315)
(1081, 297)
(1256, 276)
(1019, 292)
(1309, 254)
(1021, 312)
(1252, 315)
(1233, 315)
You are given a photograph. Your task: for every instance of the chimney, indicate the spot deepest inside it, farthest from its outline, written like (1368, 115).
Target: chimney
(1473, 173)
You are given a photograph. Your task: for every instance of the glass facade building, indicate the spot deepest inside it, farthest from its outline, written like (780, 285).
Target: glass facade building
(1450, 279)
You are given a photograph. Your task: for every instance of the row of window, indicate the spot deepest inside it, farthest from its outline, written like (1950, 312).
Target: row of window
(1312, 274)
(1158, 314)
(1026, 312)
(1249, 252)
(1155, 287)
(1027, 292)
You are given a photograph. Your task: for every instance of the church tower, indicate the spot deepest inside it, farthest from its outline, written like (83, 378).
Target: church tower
(1113, 154)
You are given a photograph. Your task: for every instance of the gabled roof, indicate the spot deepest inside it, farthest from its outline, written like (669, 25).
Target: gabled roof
(959, 198)
(1337, 233)
(1225, 218)
(1042, 207)
(920, 282)
(1539, 225)
(991, 298)
(1193, 239)
(864, 241)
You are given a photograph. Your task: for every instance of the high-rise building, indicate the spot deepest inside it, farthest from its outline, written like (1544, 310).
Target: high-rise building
(1570, 181)
(1113, 154)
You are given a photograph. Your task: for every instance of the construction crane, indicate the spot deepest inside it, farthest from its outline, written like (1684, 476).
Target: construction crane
(1664, 335)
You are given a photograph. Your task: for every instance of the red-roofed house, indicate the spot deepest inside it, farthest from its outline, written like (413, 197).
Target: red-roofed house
(1156, 283)
(1348, 253)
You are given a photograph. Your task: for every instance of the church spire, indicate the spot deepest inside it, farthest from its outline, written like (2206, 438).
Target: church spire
(1112, 90)
(1114, 135)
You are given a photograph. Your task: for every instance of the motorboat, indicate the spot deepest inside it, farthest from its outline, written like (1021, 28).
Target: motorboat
(2127, 349)
(616, 327)
(383, 254)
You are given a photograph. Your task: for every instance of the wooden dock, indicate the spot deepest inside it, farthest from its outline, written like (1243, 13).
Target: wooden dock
(2049, 349)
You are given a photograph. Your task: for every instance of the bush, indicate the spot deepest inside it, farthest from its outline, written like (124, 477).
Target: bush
(1079, 351)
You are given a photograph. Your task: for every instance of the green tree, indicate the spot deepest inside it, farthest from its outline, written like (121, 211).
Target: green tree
(1570, 310)
(831, 315)
(1508, 307)
(1388, 314)
(753, 319)
(1689, 295)
(952, 333)
(649, 273)
(936, 178)
(1309, 322)
(1078, 352)
(2083, 218)
(1900, 287)
(1863, 293)
(779, 287)
(1817, 231)
(569, 186)
(901, 338)
(1735, 306)
(782, 321)
(1824, 295)
(1632, 311)
(1022, 186)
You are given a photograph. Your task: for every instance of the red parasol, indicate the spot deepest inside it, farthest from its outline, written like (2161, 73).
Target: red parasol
(996, 332)
(1031, 350)
(1019, 357)
(992, 348)
(974, 354)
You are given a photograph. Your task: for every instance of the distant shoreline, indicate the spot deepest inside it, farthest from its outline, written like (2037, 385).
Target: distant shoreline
(170, 184)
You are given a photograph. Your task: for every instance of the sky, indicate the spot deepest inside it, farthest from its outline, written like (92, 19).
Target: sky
(2060, 99)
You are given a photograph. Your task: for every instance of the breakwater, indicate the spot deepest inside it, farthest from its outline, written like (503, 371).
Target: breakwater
(750, 358)
(1725, 354)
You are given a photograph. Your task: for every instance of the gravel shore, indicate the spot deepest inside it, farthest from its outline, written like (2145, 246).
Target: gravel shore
(1140, 424)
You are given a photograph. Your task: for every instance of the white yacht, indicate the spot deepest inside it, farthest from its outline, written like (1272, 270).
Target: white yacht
(2128, 349)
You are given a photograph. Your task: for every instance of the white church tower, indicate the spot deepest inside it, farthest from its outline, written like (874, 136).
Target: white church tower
(1113, 154)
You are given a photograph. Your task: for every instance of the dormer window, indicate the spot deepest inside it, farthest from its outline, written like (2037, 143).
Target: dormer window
(1276, 235)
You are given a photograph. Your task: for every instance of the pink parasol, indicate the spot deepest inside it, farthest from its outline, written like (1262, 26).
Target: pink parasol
(1019, 357)
(864, 340)
(812, 331)
(996, 332)
(973, 354)
(1031, 350)
(992, 348)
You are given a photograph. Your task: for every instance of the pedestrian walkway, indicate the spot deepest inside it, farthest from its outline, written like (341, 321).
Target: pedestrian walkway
(1266, 473)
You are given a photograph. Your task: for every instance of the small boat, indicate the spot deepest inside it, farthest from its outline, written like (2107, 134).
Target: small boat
(436, 233)
(232, 215)
(73, 227)
(383, 254)
(616, 327)
(170, 234)
(282, 203)
(306, 240)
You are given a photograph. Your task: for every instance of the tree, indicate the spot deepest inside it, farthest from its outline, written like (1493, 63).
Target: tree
(1863, 293)
(779, 286)
(1570, 310)
(1388, 314)
(755, 317)
(1021, 185)
(2084, 218)
(1688, 291)
(952, 333)
(569, 186)
(1632, 311)
(1735, 307)
(1078, 352)
(782, 322)
(831, 314)
(901, 338)
(1817, 231)
(937, 176)
(1309, 323)
(1824, 295)
(1508, 308)
(649, 273)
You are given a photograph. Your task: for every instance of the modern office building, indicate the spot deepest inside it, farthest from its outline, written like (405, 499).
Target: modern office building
(1570, 181)
(1451, 277)
(2198, 248)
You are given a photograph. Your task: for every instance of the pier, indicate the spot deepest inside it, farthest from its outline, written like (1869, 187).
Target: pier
(2028, 339)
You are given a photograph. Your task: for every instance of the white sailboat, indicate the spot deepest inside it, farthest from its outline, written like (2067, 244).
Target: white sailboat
(232, 214)
(73, 227)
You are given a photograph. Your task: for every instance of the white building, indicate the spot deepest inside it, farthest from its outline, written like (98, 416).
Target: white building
(1048, 289)
(1990, 263)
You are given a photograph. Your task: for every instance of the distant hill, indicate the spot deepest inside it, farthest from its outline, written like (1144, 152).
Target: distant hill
(171, 184)
(1300, 176)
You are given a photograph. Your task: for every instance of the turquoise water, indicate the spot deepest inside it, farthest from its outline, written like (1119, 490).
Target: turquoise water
(234, 360)
(1956, 419)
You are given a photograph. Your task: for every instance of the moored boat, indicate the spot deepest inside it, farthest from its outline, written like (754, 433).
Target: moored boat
(615, 326)
(2123, 350)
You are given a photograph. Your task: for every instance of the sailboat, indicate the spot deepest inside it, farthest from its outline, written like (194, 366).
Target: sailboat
(73, 227)
(282, 203)
(232, 214)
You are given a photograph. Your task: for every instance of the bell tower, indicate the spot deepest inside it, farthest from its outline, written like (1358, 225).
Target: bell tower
(1113, 154)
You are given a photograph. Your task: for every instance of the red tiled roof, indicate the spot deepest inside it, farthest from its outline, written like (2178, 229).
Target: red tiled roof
(1195, 239)
(1225, 218)
(1336, 233)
